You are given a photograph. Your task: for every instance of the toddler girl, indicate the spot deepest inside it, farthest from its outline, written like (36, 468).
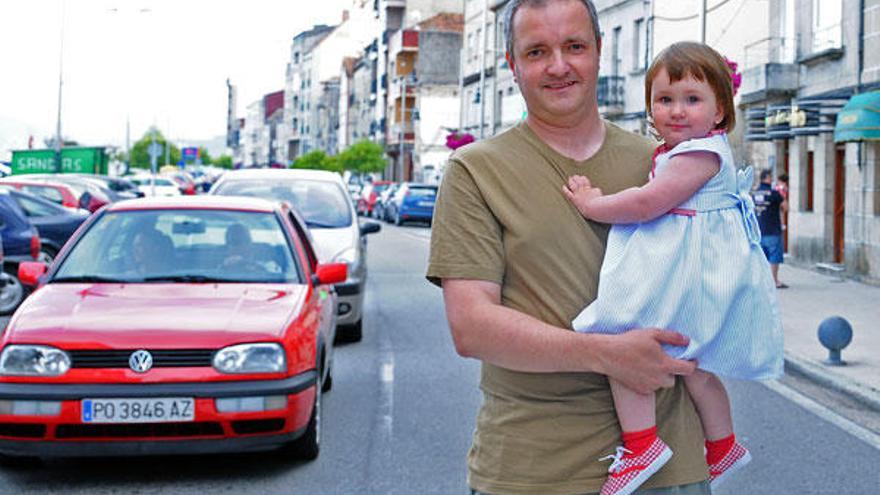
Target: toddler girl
(684, 254)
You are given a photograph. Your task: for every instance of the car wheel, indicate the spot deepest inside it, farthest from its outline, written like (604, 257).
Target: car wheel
(11, 295)
(397, 220)
(308, 446)
(46, 256)
(354, 332)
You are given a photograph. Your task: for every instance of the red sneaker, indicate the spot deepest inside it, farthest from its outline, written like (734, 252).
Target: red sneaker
(627, 473)
(734, 460)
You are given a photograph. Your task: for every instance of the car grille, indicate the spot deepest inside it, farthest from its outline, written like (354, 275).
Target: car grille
(22, 430)
(147, 430)
(174, 358)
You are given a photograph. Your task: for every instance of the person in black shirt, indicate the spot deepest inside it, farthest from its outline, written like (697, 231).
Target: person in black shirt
(769, 204)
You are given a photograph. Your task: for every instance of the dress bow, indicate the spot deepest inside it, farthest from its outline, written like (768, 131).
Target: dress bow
(743, 197)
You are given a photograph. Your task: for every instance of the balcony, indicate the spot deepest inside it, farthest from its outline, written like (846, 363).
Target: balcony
(610, 92)
(770, 70)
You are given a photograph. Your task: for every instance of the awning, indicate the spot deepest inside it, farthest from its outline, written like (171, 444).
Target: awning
(860, 119)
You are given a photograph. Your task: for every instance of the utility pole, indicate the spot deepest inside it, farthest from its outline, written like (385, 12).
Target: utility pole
(60, 73)
(703, 21)
(483, 71)
(402, 125)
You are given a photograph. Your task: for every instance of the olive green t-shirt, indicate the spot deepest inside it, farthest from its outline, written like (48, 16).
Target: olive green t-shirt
(501, 217)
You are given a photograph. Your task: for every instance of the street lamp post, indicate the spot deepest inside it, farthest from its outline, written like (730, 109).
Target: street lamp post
(60, 82)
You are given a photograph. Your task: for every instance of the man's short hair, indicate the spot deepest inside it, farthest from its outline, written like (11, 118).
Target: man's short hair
(766, 174)
(514, 5)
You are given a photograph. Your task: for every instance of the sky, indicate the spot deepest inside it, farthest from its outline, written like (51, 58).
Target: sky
(151, 62)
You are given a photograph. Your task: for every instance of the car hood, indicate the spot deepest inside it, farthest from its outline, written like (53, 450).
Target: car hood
(329, 243)
(155, 315)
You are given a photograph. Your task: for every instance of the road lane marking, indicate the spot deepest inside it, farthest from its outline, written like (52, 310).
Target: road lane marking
(863, 434)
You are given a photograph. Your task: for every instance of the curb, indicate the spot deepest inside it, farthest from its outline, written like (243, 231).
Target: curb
(865, 394)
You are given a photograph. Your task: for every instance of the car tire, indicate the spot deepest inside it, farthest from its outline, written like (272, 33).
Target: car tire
(354, 332)
(328, 381)
(308, 446)
(47, 256)
(397, 220)
(11, 295)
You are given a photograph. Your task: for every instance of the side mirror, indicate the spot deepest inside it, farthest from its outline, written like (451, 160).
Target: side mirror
(330, 273)
(370, 228)
(29, 272)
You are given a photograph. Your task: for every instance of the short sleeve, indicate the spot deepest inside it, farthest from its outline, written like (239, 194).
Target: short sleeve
(714, 144)
(466, 240)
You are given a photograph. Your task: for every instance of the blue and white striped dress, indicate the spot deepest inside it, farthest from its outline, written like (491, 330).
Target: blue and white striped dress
(702, 275)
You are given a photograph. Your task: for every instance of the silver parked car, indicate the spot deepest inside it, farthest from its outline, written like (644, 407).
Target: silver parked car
(323, 200)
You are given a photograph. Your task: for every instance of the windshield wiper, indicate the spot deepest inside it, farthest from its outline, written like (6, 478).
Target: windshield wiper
(196, 279)
(90, 279)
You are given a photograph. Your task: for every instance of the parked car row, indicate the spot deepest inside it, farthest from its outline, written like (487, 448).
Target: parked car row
(33, 229)
(401, 202)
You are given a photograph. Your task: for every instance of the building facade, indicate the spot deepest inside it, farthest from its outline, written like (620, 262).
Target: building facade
(819, 55)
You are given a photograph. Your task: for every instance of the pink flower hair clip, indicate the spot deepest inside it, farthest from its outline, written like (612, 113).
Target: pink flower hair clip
(735, 77)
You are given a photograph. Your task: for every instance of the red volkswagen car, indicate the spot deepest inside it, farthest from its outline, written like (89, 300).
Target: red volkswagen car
(172, 325)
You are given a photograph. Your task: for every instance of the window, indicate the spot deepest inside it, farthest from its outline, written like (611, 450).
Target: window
(639, 45)
(827, 32)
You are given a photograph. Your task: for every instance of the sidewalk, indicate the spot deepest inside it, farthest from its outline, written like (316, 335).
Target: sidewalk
(812, 297)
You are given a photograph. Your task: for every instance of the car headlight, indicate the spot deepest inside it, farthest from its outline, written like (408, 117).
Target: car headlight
(33, 360)
(251, 358)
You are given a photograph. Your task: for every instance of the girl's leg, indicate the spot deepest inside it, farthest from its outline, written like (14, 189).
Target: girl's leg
(713, 405)
(635, 411)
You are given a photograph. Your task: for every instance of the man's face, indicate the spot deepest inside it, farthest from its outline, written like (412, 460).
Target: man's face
(555, 61)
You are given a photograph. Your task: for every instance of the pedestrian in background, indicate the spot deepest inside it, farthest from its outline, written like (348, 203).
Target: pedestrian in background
(769, 207)
(684, 253)
(517, 262)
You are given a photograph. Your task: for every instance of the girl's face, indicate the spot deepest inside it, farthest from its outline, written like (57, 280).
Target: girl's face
(684, 109)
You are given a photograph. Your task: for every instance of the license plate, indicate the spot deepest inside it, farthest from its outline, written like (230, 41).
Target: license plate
(426, 204)
(158, 410)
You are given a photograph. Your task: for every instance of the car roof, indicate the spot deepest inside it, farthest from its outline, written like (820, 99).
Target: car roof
(195, 202)
(281, 173)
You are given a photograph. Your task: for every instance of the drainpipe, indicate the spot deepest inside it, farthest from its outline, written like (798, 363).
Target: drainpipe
(483, 70)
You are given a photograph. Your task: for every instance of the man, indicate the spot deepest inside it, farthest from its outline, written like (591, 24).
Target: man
(769, 206)
(517, 262)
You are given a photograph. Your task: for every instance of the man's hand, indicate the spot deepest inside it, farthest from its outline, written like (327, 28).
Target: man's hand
(636, 359)
(581, 193)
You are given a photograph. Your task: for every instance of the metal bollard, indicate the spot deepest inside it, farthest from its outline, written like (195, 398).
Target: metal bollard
(835, 333)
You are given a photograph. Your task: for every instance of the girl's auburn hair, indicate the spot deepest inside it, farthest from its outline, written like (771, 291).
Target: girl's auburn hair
(689, 58)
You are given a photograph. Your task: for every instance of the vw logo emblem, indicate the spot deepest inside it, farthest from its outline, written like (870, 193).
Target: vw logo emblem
(140, 361)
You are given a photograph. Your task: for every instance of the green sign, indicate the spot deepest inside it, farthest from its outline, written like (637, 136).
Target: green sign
(73, 160)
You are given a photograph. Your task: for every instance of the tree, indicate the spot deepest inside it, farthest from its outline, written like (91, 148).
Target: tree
(316, 159)
(364, 157)
(140, 158)
(223, 161)
(204, 156)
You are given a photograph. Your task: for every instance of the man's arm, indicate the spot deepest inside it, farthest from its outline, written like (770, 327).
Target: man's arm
(484, 329)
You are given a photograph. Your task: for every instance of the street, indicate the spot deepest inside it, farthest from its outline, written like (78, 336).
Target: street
(402, 409)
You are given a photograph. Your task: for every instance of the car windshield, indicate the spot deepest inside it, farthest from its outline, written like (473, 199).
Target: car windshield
(322, 204)
(145, 181)
(186, 245)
